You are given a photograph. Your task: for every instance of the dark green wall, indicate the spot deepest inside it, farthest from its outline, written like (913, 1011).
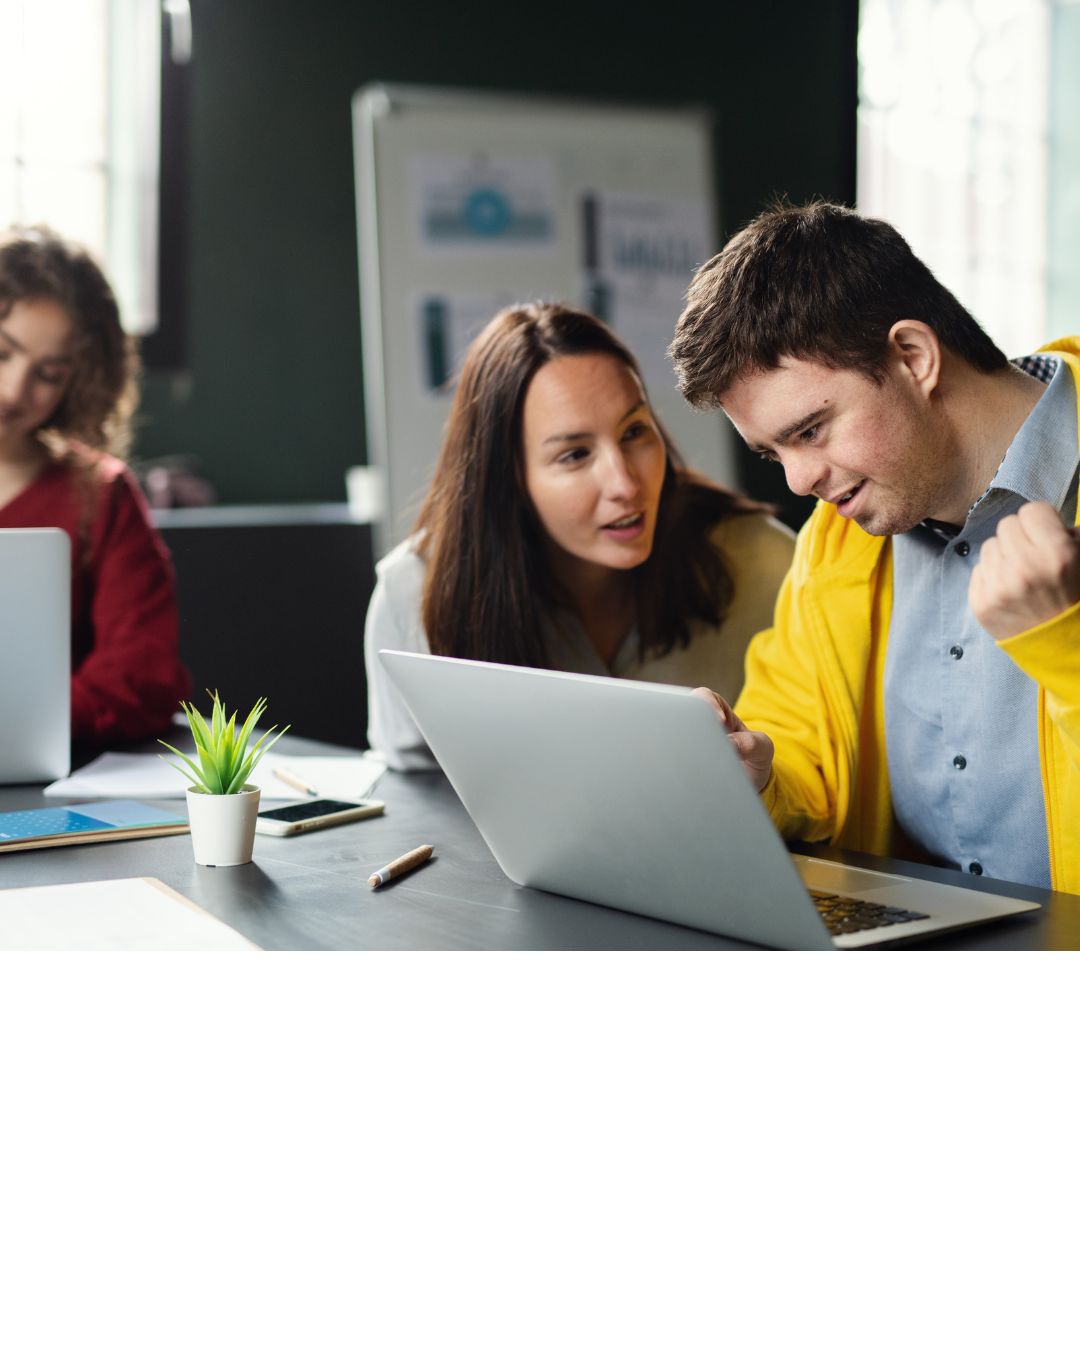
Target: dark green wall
(274, 408)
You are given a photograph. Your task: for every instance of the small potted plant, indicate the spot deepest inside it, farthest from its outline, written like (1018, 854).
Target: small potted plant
(222, 804)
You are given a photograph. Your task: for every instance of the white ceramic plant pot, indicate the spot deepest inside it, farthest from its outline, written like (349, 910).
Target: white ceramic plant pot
(223, 826)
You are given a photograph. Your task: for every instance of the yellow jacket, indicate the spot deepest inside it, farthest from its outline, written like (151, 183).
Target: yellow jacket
(815, 684)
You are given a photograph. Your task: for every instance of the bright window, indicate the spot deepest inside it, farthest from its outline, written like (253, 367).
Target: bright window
(80, 133)
(954, 148)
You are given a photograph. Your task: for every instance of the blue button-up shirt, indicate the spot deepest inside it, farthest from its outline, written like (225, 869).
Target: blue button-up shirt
(960, 715)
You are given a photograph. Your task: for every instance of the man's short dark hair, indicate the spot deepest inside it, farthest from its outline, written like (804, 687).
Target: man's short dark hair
(818, 283)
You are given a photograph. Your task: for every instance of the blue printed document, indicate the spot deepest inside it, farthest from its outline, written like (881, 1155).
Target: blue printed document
(48, 826)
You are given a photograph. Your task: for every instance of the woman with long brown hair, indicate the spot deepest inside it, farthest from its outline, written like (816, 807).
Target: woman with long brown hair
(563, 530)
(67, 392)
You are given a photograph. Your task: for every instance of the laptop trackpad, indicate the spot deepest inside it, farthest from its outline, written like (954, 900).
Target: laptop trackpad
(819, 875)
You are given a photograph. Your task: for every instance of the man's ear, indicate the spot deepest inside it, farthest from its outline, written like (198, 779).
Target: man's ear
(915, 347)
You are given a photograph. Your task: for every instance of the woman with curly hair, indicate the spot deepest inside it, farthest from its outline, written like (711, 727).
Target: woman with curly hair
(67, 393)
(563, 530)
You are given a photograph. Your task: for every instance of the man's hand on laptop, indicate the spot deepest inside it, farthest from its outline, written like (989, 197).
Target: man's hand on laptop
(754, 748)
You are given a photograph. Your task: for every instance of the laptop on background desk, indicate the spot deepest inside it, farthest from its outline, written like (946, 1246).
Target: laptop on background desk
(35, 655)
(629, 795)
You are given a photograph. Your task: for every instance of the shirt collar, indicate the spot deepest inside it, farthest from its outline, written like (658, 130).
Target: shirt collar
(1041, 461)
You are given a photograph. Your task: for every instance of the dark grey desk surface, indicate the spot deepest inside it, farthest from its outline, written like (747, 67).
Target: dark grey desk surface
(310, 892)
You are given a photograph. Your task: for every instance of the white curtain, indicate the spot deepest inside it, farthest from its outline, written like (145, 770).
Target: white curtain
(79, 133)
(954, 99)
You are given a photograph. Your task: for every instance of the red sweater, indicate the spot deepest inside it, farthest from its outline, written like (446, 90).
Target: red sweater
(127, 678)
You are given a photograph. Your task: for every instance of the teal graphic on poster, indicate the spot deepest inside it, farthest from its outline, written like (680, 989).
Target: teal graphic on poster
(485, 200)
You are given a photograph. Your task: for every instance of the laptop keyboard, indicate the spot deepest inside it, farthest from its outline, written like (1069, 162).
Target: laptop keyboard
(842, 914)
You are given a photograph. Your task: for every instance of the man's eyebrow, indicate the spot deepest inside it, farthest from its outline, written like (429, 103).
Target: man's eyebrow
(588, 435)
(794, 428)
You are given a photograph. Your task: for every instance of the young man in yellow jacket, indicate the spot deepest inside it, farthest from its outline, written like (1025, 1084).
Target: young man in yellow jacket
(921, 682)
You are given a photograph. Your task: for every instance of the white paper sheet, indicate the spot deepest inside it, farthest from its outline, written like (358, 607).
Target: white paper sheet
(646, 251)
(348, 777)
(128, 914)
(115, 774)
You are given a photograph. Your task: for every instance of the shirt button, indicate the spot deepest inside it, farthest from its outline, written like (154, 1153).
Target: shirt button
(959, 762)
(956, 653)
(963, 548)
(975, 868)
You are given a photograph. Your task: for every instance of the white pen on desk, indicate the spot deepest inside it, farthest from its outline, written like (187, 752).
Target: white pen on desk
(401, 865)
(293, 781)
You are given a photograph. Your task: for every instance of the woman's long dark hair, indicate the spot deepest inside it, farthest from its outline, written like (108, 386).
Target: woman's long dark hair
(488, 576)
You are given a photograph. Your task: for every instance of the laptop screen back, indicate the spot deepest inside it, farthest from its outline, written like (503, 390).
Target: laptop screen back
(35, 655)
(610, 790)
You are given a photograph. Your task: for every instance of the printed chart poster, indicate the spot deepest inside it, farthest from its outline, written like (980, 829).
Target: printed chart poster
(638, 256)
(446, 324)
(472, 202)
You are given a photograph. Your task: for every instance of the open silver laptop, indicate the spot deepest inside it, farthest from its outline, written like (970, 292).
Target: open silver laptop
(35, 655)
(628, 794)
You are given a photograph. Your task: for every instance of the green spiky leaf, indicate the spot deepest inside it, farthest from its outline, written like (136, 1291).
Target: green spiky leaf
(224, 760)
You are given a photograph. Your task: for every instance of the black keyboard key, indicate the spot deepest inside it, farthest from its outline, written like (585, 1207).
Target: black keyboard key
(844, 914)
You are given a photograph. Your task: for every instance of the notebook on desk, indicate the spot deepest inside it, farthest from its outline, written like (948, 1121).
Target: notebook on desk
(56, 826)
(628, 794)
(124, 914)
(35, 655)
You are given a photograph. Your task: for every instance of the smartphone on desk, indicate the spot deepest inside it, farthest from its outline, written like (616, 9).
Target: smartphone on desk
(317, 814)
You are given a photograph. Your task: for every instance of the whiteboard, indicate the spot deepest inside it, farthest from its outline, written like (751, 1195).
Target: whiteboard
(468, 202)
